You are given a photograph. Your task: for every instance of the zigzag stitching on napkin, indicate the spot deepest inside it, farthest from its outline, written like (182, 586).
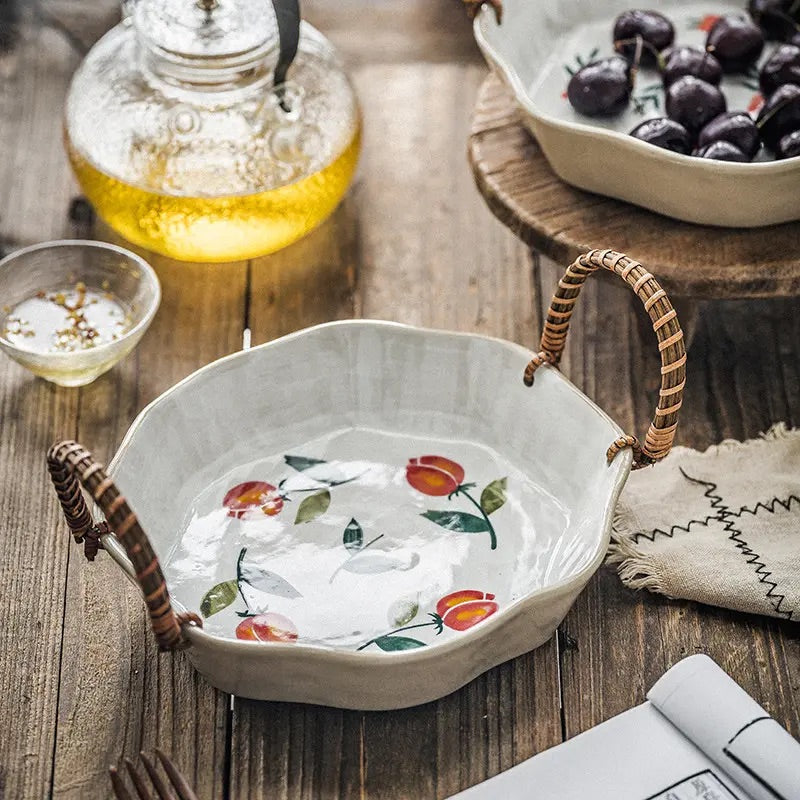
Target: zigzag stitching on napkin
(736, 536)
(760, 567)
(716, 502)
(786, 505)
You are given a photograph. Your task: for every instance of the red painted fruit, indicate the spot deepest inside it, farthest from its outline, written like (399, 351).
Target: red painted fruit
(252, 496)
(467, 607)
(269, 627)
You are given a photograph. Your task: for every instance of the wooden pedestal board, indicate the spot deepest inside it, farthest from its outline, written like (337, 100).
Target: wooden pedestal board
(559, 222)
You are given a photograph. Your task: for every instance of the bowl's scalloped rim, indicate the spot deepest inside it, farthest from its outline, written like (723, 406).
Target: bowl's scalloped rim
(575, 582)
(512, 79)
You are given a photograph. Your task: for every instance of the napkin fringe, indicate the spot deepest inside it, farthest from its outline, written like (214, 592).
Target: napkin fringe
(638, 570)
(780, 430)
(635, 569)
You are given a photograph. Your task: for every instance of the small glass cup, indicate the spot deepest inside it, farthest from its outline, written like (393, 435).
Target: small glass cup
(100, 267)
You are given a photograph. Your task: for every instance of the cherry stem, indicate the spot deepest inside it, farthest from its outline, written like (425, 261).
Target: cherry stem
(492, 535)
(434, 622)
(760, 124)
(641, 44)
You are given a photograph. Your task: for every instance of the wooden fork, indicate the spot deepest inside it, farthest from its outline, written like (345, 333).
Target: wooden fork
(176, 780)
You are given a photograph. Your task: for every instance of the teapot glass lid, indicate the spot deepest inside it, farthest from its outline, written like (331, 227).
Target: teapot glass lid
(207, 29)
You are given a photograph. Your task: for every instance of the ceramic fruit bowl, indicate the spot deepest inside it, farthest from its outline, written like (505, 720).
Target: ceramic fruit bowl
(368, 515)
(533, 51)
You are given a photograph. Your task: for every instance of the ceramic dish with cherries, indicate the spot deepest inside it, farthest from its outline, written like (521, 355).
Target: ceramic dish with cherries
(688, 109)
(658, 69)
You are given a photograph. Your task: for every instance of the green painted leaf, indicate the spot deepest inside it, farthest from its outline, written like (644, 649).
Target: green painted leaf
(301, 463)
(266, 581)
(458, 521)
(372, 563)
(313, 506)
(493, 496)
(402, 611)
(353, 538)
(221, 596)
(390, 643)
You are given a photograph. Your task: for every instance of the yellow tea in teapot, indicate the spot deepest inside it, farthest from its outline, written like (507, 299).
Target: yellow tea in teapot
(222, 228)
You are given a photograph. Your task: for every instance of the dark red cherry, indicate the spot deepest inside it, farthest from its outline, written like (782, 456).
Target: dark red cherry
(736, 42)
(736, 127)
(780, 115)
(783, 66)
(694, 103)
(601, 88)
(722, 151)
(656, 30)
(666, 133)
(789, 145)
(775, 18)
(680, 61)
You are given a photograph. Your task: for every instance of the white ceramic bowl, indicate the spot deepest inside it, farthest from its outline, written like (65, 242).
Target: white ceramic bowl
(531, 50)
(351, 535)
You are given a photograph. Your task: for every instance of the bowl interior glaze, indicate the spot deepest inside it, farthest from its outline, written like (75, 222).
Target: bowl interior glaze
(276, 483)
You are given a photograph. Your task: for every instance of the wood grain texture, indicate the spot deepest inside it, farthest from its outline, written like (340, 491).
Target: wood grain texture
(386, 31)
(80, 681)
(33, 558)
(562, 222)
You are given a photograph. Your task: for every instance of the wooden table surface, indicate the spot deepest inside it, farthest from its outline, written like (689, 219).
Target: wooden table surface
(81, 683)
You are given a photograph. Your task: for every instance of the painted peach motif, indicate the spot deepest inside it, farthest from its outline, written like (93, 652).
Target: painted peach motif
(434, 475)
(251, 496)
(458, 611)
(437, 476)
(269, 627)
(461, 610)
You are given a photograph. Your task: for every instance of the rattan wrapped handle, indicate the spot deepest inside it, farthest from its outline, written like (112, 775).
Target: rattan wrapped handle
(72, 466)
(661, 432)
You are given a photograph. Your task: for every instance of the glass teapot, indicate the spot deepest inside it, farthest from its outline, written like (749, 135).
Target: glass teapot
(212, 130)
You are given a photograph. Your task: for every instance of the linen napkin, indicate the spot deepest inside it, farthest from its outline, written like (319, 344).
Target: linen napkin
(721, 527)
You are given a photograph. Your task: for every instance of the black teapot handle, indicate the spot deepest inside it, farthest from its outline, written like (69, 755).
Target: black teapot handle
(287, 13)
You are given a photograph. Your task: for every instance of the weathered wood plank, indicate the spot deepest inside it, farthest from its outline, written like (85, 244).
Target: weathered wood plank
(308, 283)
(33, 559)
(385, 31)
(118, 695)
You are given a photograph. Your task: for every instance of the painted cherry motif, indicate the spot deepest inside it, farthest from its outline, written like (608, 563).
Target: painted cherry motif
(269, 627)
(246, 498)
(437, 476)
(434, 475)
(461, 610)
(458, 611)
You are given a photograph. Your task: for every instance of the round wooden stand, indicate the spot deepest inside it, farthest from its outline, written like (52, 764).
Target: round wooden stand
(561, 222)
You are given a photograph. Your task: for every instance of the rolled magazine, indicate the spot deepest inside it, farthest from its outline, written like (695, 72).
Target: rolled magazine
(699, 736)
